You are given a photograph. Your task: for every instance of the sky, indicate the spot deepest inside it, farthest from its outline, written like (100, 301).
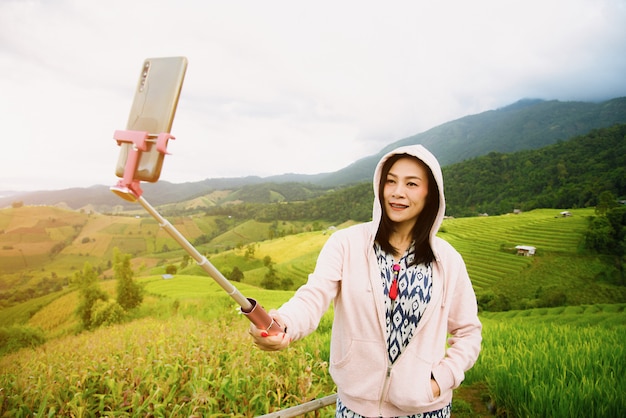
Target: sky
(277, 87)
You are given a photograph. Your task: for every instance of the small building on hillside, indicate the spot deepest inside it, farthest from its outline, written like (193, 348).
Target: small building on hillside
(525, 250)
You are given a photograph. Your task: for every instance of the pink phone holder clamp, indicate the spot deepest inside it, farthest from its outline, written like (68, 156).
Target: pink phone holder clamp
(128, 188)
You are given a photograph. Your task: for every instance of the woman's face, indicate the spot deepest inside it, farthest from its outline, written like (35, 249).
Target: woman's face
(405, 191)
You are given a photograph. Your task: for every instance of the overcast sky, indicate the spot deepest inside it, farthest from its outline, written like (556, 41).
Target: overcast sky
(279, 87)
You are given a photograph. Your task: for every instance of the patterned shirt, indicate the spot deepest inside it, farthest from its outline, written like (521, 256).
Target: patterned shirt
(414, 288)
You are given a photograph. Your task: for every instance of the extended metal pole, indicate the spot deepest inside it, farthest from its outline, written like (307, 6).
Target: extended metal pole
(249, 307)
(302, 409)
(200, 259)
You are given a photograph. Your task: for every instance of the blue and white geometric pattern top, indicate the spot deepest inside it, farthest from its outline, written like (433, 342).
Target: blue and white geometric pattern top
(405, 306)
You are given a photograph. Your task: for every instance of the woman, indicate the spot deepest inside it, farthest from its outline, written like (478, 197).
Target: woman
(399, 292)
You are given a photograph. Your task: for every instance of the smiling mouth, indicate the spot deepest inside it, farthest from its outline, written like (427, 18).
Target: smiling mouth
(397, 206)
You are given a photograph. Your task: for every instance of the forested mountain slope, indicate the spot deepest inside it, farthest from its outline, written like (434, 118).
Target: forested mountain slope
(568, 174)
(527, 124)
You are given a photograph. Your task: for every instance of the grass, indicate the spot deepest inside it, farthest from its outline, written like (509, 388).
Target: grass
(190, 358)
(188, 353)
(551, 363)
(188, 331)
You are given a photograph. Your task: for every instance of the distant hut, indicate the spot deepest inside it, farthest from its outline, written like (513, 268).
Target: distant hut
(525, 250)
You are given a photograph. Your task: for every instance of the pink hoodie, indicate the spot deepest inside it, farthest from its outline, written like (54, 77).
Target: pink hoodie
(347, 272)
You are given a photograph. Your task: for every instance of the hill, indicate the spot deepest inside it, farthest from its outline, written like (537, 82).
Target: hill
(561, 270)
(527, 124)
(568, 174)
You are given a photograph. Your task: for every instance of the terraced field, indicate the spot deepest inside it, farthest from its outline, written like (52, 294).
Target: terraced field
(488, 243)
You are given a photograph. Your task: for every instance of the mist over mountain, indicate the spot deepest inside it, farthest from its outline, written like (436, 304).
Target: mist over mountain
(524, 125)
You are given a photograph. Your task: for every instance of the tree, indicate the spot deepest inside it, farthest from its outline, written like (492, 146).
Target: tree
(286, 283)
(250, 249)
(90, 294)
(185, 262)
(607, 234)
(129, 293)
(86, 277)
(598, 236)
(617, 218)
(606, 201)
(236, 275)
(271, 280)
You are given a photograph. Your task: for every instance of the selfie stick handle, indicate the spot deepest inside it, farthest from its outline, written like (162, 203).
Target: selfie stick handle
(128, 188)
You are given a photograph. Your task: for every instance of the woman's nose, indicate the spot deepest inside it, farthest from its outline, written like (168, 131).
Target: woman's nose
(398, 190)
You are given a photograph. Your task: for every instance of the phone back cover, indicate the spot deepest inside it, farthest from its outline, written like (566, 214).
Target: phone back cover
(153, 110)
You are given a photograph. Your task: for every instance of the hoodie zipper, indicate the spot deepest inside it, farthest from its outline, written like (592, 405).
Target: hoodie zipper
(389, 365)
(393, 296)
(385, 389)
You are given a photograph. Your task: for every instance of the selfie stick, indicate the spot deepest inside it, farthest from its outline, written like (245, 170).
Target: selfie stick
(128, 188)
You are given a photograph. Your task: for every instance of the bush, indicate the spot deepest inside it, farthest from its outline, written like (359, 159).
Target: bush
(490, 301)
(106, 313)
(16, 337)
(550, 297)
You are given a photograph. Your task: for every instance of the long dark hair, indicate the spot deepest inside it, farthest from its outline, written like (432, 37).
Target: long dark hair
(425, 221)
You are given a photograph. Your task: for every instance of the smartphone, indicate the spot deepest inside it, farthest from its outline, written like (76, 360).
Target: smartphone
(153, 110)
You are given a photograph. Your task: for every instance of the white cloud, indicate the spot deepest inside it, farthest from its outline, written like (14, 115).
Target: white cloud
(276, 87)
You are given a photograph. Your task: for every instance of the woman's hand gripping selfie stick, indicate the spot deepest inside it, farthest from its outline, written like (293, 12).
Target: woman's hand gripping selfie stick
(128, 188)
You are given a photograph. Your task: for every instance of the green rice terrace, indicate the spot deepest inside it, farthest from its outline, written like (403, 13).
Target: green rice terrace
(554, 323)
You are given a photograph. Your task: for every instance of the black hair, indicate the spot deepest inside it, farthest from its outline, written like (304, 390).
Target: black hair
(425, 221)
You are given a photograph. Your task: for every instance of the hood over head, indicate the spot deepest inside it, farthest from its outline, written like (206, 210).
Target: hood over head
(429, 159)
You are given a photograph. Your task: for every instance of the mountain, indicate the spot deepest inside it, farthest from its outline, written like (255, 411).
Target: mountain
(526, 124)
(569, 174)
